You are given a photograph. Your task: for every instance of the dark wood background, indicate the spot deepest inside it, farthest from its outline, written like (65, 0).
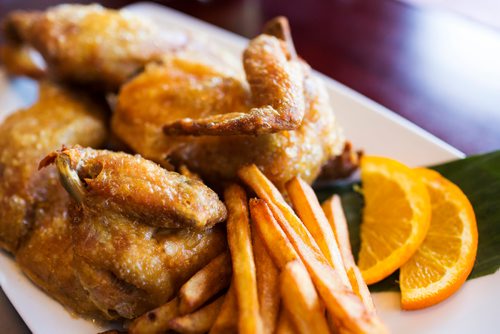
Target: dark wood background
(437, 69)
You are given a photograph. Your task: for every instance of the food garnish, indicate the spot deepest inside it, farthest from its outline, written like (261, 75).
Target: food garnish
(446, 257)
(396, 216)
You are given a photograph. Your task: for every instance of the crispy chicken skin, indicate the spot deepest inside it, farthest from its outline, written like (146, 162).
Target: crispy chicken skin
(46, 255)
(276, 81)
(136, 188)
(34, 222)
(139, 231)
(22, 60)
(180, 89)
(90, 44)
(59, 117)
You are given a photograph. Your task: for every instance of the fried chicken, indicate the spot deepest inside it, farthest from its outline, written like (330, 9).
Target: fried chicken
(284, 123)
(58, 117)
(139, 231)
(34, 222)
(125, 185)
(90, 44)
(111, 235)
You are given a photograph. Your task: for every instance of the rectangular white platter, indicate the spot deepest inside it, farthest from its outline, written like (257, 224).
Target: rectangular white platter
(368, 125)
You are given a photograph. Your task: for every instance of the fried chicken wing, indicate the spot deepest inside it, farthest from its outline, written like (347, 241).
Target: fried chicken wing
(127, 255)
(185, 88)
(58, 117)
(276, 81)
(90, 44)
(131, 186)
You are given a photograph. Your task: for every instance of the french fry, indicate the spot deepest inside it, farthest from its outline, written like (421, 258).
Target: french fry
(266, 190)
(301, 300)
(157, 320)
(336, 217)
(285, 325)
(199, 321)
(227, 320)
(332, 208)
(341, 302)
(240, 244)
(205, 284)
(268, 229)
(267, 284)
(307, 206)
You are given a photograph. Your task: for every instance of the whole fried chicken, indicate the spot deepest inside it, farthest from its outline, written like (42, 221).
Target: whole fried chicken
(34, 221)
(88, 44)
(214, 124)
(139, 231)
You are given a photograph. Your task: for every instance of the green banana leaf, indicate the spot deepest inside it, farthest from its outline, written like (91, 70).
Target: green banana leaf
(477, 176)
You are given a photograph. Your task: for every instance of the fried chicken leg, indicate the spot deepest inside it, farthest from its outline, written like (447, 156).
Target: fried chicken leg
(90, 44)
(127, 255)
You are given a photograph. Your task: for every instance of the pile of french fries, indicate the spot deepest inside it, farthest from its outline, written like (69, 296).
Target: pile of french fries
(287, 270)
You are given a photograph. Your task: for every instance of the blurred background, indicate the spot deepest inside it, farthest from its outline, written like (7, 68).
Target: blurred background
(435, 62)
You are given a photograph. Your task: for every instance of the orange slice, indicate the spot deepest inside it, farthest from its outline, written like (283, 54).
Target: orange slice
(396, 216)
(446, 257)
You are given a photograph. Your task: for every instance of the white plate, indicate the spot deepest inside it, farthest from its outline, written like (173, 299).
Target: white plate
(367, 125)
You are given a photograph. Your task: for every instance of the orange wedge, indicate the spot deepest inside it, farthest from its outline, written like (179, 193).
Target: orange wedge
(446, 257)
(396, 216)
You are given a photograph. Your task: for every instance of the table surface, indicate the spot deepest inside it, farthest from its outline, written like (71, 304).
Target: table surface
(437, 69)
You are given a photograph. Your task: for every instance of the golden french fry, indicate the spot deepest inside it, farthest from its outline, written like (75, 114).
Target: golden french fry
(199, 321)
(336, 217)
(267, 284)
(227, 320)
(307, 206)
(279, 247)
(285, 325)
(334, 328)
(206, 283)
(157, 320)
(301, 300)
(266, 190)
(339, 300)
(240, 244)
